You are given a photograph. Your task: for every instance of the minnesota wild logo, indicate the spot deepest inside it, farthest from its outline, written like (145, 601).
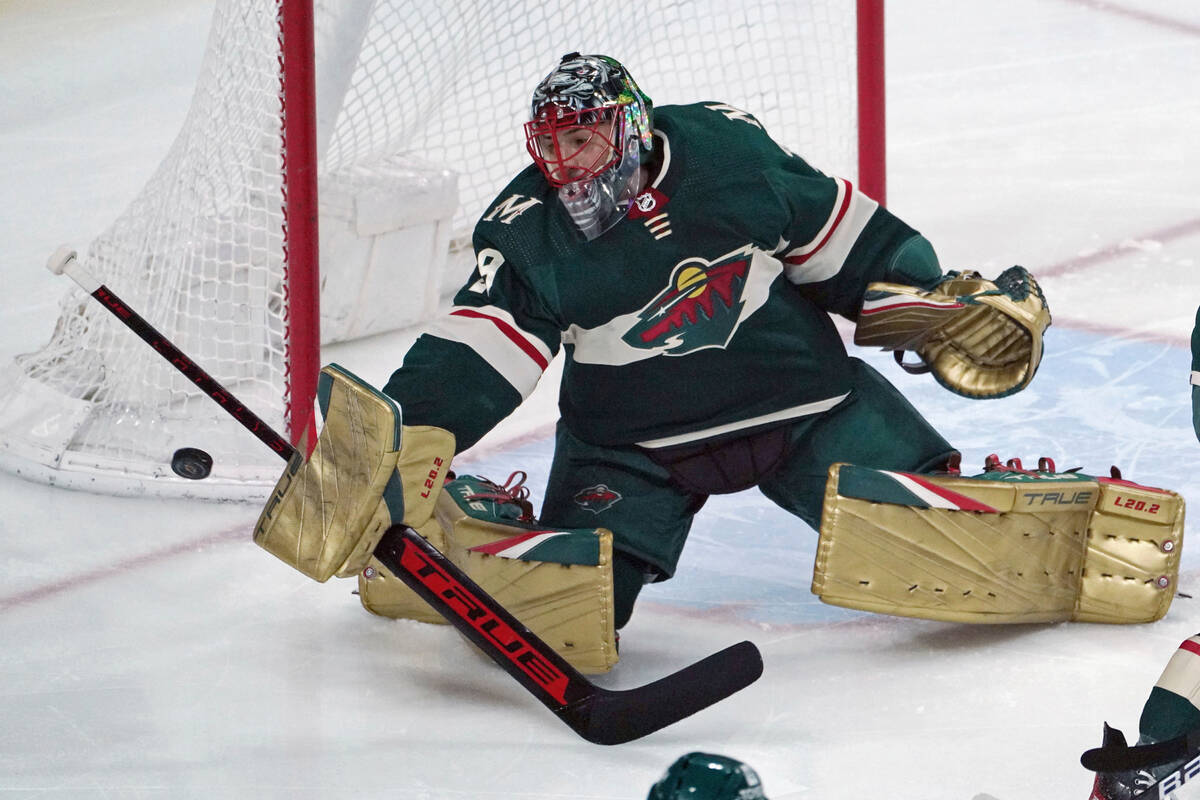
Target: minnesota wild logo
(700, 308)
(597, 498)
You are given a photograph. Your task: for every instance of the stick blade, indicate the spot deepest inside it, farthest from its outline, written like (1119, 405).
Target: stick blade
(616, 717)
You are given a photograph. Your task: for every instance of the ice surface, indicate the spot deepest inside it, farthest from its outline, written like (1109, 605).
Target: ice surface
(149, 650)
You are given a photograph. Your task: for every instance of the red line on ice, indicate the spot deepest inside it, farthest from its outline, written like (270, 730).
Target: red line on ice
(1178, 25)
(69, 582)
(1109, 252)
(1131, 334)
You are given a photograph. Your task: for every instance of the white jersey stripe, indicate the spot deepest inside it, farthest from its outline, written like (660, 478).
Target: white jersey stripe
(840, 204)
(518, 357)
(822, 258)
(527, 342)
(510, 331)
(815, 407)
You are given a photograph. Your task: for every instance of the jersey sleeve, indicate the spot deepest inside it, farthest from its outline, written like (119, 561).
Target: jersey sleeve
(478, 361)
(837, 240)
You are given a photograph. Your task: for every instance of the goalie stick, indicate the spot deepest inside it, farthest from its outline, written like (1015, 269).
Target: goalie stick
(601, 716)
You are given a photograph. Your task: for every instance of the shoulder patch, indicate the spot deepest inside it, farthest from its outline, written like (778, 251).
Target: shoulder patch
(510, 208)
(734, 114)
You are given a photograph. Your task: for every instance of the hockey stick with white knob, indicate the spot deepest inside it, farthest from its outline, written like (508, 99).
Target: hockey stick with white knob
(599, 715)
(63, 261)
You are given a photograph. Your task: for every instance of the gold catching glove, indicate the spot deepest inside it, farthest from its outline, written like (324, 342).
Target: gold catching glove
(980, 338)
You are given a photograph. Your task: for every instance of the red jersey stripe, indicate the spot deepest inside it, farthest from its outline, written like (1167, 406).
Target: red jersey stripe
(841, 213)
(508, 330)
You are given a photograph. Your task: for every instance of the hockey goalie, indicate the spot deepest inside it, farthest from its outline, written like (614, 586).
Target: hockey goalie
(685, 265)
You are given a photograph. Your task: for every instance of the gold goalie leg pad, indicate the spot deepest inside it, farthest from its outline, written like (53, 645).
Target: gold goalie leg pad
(1005, 546)
(1135, 540)
(558, 583)
(384, 594)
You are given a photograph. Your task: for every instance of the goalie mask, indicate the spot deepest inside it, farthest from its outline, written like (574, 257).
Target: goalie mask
(704, 776)
(589, 125)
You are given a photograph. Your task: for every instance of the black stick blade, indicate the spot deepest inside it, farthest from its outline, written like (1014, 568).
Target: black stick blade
(599, 715)
(616, 717)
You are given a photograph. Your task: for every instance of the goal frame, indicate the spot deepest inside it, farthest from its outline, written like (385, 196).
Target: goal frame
(298, 86)
(872, 118)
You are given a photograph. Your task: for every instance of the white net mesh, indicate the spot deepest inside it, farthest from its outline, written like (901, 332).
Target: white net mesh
(428, 84)
(461, 93)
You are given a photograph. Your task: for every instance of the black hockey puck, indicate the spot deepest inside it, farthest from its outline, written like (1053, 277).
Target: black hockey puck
(191, 463)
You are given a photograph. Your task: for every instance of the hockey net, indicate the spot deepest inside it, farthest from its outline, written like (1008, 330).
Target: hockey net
(418, 115)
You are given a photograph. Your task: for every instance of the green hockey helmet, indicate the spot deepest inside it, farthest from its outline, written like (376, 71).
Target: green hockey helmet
(704, 776)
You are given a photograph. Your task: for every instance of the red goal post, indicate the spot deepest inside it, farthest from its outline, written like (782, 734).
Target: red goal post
(872, 95)
(324, 184)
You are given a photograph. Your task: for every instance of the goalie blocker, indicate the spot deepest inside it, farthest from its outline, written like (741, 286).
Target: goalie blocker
(1009, 545)
(367, 472)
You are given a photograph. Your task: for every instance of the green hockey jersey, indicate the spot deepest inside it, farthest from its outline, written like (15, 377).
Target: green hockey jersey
(705, 311)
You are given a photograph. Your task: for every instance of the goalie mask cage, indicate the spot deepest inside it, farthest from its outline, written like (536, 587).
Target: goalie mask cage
(415, 124)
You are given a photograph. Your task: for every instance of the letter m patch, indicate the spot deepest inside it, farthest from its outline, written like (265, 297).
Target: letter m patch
(510, 208)
(734, 113)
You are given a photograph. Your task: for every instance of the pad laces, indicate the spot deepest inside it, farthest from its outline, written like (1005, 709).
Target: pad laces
(513, 491)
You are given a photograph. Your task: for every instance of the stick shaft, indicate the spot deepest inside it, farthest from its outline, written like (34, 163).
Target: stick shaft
(192, 371)
(178, 359)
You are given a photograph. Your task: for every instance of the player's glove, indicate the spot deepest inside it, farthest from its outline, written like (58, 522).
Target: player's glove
(980, 338)
(367, 472)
